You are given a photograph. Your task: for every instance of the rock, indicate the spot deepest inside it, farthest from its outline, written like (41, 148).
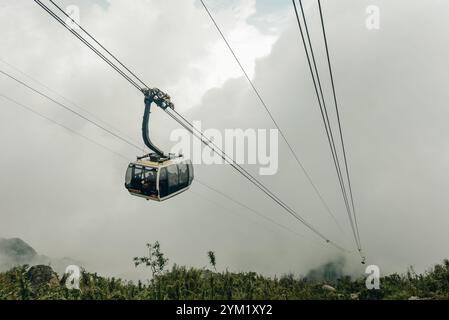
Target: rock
(41, 275)
(414, 298)
(328, 288)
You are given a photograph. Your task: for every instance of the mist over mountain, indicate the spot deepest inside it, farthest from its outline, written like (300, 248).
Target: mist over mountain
(329, 272)
(16, 252)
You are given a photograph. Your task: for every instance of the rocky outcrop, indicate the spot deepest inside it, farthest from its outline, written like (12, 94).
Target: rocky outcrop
(41, 275)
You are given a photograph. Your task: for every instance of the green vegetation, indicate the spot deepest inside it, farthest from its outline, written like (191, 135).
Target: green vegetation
(192, 283)
(155, 260)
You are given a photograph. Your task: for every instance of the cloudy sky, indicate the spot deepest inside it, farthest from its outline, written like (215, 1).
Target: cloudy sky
(65, 196)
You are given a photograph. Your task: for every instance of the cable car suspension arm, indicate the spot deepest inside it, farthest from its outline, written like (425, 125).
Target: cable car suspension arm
(162, 100)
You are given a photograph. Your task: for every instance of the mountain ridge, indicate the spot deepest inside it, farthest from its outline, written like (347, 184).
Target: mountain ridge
(16, 252)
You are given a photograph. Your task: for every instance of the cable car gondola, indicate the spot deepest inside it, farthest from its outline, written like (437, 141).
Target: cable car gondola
(157, 176)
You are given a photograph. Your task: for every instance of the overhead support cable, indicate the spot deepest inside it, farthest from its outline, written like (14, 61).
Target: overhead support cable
(41, 115)
(324, 113)
(88, 44)
(350, 208)
(338, 120)
(98, 43)
(67, 100)
(96, 124)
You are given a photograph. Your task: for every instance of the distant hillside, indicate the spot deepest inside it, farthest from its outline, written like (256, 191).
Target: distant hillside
(16, 252)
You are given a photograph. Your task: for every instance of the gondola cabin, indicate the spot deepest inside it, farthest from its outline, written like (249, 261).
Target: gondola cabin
(158, 181)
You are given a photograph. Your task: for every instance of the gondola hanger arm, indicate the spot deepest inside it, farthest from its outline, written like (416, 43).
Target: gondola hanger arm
(162, 100)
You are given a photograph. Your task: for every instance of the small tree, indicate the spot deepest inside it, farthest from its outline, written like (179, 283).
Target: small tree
(212, 260)
(155, 260)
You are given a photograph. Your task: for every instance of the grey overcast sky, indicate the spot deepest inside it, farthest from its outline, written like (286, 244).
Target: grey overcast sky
(65, 195)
